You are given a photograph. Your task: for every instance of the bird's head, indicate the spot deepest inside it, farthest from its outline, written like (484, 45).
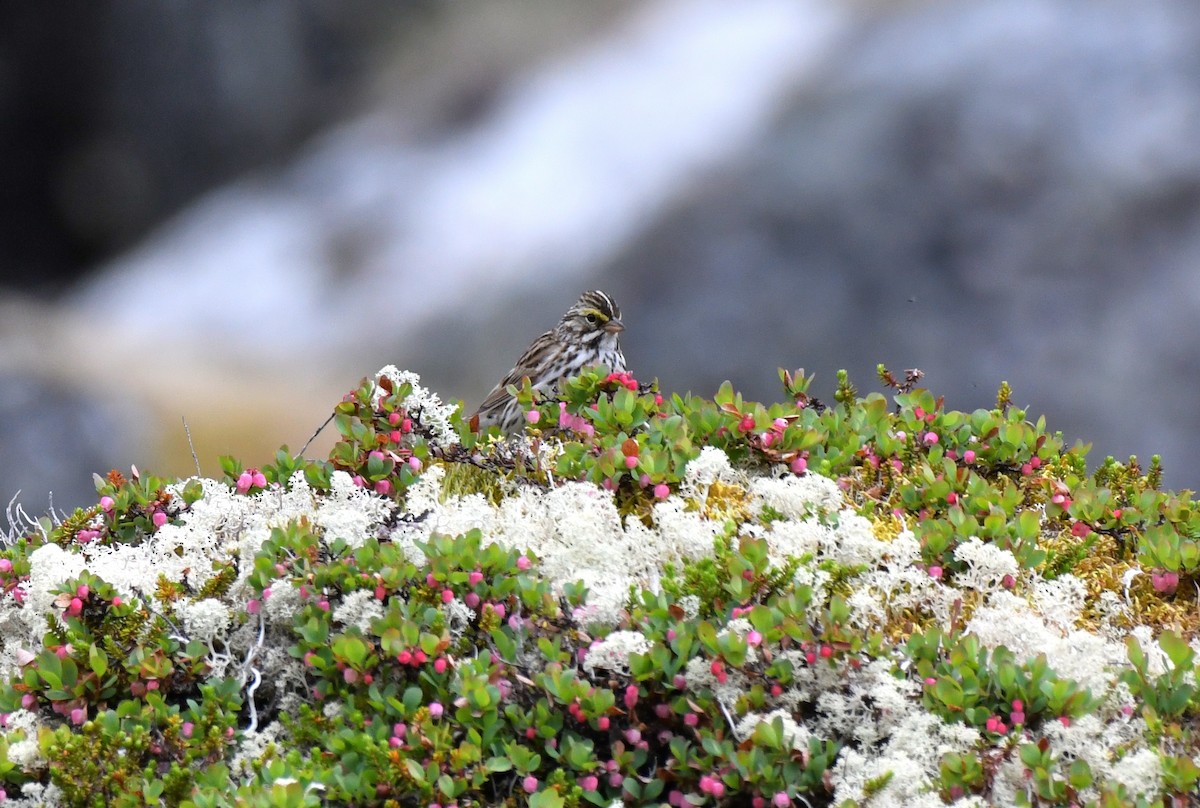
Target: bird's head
(594, 317)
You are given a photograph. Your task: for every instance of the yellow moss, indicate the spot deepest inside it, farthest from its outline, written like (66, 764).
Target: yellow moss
(727, 501)
(462, 479)
(887, 528)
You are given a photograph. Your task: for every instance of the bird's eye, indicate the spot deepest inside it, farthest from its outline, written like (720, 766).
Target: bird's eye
(593, 319)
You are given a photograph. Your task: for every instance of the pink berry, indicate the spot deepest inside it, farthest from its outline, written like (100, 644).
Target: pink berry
(631, 461)
(523, 563)
(661, 491)
(631, 696)
(383, 487)
(436, 709)
(799, 465)
(5, 565)
(969, 456)
(930, 438)
(935, 572)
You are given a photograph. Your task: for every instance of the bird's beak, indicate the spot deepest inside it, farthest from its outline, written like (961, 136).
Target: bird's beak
(614, 326)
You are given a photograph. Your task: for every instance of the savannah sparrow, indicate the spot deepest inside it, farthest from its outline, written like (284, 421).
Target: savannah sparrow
(586, 335)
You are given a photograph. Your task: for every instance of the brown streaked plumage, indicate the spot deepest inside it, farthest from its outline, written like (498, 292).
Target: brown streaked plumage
(586, 335)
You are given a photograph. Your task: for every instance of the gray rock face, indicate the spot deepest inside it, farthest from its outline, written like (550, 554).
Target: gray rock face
(1001, 190)
(54, 437)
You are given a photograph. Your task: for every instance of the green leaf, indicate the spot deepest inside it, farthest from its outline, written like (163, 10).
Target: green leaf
(498, 764)
(97, 660)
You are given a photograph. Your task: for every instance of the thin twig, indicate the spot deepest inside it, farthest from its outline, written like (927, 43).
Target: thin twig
(191, 446)
(320, 429)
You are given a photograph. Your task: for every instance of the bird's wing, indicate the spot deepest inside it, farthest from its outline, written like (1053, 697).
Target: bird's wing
(527, 365)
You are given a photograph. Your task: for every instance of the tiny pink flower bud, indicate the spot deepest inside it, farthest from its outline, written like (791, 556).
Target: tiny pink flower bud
(602, 723)
(799, 465)
(260, 479)
(375, 454)
(447, 596)
(107, 503)
(244, 481)
(75, 607)
(1026, 469)
(406, 425)
(83, 591)
(631, 696)
(589, 783)
(662, 710)
(754, 638)
(5, 565)
(969, 456)
(661, 491)
(781, 800)
(951, 498)
(631, 461)
(472, 600)
(253, 606)
(359, 482)
(116, 601)
(395, 436)
(500, 610)
(383, 487)
(930, 438)
(28, 701)
(78, 716)
(414, 463)
(523, 563)
(935, 572)
(187, 729)
(691, 719)
(474, 577)
(533, 416)
(350, 676)
(440, 664)
(436, 709)
(323, 605)
(393, 418)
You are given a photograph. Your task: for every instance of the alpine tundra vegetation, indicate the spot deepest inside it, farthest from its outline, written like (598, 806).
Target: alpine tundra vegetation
(640, 599)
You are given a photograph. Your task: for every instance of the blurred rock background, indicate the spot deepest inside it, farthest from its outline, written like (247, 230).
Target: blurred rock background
(230, 213)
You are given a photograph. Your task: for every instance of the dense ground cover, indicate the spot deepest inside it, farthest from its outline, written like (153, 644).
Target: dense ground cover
(649, 599)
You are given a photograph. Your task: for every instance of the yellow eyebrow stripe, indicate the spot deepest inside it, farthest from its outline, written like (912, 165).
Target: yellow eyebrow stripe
(598, 313)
